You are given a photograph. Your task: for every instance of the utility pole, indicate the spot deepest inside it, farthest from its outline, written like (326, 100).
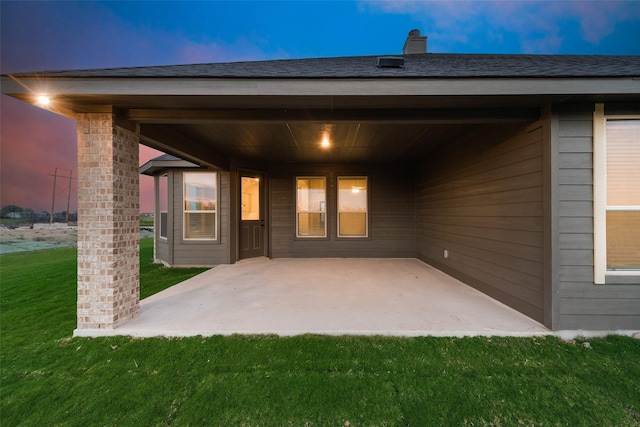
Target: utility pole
(69, 197)
(53, 199)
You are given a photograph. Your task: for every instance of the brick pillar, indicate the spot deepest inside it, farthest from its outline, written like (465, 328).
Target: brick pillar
(108, 222)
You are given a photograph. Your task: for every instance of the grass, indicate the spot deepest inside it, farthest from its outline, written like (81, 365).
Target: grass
(49, 378)
(146, 221)
(154, 277)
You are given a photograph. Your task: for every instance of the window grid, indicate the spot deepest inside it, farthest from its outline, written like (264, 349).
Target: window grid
(353, 209)
(200, 206)
(311, 206)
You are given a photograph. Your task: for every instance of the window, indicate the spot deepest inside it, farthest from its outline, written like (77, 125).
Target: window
(250, 203)
(163, 204)
(311, 199)
(617, 195)
(200, 205)
(352, 207)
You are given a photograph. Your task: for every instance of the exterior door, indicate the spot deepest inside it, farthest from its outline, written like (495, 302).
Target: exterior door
(252, 224)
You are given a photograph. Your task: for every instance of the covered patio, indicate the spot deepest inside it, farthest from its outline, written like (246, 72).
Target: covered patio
(337, 296)
(479, 165)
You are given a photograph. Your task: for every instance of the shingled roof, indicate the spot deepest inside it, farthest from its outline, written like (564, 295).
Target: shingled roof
(163, 162)
(428, 65)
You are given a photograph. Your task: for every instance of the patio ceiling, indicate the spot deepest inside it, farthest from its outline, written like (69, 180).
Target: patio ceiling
(215, 130)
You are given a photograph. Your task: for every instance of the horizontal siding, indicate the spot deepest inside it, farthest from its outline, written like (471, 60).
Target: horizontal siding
(600, 322)
(391, 213)
(576, 290)
(580, 304)
(199, 253)
(484, 205)
(498, 247)
(162, 250)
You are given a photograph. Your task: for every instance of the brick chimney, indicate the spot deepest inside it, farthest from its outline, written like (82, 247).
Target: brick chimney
(415, 43)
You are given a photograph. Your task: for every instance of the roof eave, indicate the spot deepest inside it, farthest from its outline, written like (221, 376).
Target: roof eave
(71, 93)
(154, 167)
(312, 86)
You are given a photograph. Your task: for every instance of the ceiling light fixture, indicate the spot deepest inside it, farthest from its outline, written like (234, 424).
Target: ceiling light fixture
(44, 100)
(326, 132)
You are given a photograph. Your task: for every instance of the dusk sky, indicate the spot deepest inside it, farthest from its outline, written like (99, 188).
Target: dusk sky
(55, 35)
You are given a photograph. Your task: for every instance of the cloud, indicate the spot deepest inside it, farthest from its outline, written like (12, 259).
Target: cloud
(75, 35)
(599, 19)
(35, 143)
(242, 49)
(536, 25)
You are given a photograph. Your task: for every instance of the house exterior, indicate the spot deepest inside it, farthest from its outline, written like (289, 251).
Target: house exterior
(181, 237)
(516, 174)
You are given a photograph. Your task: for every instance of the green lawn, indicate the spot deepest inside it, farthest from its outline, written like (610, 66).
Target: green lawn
(10, 221)
(49, 378)
(146, 221)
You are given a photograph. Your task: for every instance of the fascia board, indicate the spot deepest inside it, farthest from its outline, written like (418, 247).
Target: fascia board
(153, 167)
(319, 87)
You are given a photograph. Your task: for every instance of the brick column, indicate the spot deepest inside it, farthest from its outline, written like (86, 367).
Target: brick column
(108, 222)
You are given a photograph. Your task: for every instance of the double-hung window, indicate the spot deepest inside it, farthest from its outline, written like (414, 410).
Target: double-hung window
(311, 203)
(200, 205)
(616, 195)
(353, 211)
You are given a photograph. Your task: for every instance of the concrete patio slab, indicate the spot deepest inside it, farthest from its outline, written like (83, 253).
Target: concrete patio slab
(336, 296)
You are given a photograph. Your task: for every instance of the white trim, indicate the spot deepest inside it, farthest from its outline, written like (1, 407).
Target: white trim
(622, 272)
(630, 208)
(160, 236)
(600, 207)
(599, 195)
(160, 211)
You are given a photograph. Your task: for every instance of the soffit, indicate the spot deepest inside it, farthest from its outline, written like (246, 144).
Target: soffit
(301, 142)
(215, 130)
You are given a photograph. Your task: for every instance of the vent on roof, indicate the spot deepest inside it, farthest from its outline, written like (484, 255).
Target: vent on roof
(390, 62)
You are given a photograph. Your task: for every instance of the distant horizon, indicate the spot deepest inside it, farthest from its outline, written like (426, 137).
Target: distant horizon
(45, 211)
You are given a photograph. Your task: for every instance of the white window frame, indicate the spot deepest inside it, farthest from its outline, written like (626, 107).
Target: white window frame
(164, 176)
(213, 212)
(366, 212)
(320, 211)
(600, 196)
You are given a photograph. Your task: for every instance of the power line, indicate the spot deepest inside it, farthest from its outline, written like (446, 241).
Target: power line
(53, 199)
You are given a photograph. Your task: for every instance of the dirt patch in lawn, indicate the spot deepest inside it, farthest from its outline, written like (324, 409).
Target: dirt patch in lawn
(37, 237)
(41, 236)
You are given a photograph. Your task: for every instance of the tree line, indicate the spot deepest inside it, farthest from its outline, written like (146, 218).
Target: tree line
(29, 215)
